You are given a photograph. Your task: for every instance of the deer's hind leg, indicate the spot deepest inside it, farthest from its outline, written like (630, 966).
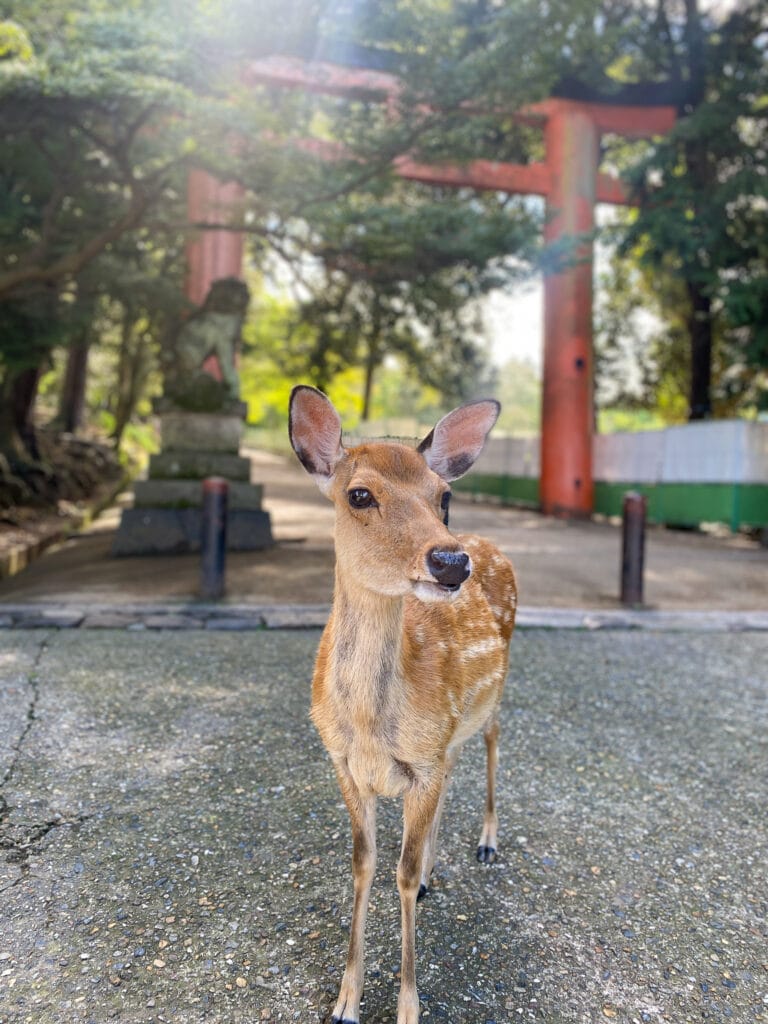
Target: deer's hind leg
(486, 850)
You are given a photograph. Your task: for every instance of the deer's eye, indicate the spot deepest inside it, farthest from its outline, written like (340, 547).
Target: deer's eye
(361, 497)
(445, 501)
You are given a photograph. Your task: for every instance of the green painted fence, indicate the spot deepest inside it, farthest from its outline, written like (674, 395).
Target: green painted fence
(713, 472)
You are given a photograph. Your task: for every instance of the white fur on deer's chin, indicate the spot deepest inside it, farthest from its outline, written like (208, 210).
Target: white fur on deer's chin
(433, 593)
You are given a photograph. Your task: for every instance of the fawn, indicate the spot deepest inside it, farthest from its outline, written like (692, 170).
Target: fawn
(413, 659)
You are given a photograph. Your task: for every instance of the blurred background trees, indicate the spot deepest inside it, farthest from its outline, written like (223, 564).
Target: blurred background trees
(362, 282)
(694, 252)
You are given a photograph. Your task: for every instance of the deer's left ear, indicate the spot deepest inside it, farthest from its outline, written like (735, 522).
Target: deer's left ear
(457, 440)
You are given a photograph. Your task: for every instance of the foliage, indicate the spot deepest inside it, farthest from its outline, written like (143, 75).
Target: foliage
(700, 238)
(518, 388)
(627, 420)
(402, 274)
(104, 109)
(642, 348)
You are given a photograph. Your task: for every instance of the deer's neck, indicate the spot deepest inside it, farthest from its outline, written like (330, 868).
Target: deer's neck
(368, 636)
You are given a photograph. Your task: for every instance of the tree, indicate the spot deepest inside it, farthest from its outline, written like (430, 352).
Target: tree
(701, 194)
(102, 112)
(518, 388)
(78, 170)
(401, 273)
(400, 269)
(642, 347)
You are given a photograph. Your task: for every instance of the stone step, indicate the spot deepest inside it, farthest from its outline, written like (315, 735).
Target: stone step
(181, 494)
(200, 432)
(195, 465)
(170, 531)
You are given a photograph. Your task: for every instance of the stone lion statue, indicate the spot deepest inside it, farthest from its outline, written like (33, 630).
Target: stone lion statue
(200, 361)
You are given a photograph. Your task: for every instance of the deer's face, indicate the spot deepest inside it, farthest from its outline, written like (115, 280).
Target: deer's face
(391, 501)
(390, 532)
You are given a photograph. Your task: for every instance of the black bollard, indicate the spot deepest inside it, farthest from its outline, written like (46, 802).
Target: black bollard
(213, 537)
(632, 548)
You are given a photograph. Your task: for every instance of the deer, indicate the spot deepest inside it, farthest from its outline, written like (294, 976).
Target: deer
(413, 659)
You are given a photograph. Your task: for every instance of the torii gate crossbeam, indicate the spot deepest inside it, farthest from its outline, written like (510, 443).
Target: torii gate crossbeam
(570, 180)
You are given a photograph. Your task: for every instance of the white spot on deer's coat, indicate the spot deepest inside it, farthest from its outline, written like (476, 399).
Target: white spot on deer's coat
(482, 647)
(485, 681)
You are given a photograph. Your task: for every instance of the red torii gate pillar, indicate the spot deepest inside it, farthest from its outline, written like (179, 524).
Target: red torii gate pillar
(211, 253)
(572, 135)
(572, 148)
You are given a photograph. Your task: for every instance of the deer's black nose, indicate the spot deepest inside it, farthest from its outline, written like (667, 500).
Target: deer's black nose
(450, 568)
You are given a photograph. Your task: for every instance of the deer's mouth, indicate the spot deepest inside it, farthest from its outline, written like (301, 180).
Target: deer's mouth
(431, 590)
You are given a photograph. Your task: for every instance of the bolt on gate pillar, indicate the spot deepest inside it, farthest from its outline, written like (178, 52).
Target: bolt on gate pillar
(572, 143)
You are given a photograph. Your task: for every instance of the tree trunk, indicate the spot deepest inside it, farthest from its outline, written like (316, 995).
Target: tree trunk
(22, 395)
(370, 369)
(698, 169)
(372, 361)
(133, 369)
(9, 439)
(700, 333)
(72, 402)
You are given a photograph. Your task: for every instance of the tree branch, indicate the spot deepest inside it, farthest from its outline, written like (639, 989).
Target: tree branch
(72, 263)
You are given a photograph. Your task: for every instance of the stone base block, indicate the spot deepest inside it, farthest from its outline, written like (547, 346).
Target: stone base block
(176, 531)
(200, 432)
(178, 465)
(182, 494)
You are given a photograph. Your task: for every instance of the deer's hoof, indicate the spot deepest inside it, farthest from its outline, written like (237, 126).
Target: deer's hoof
(486, 854)
(423, 890)
(342, 1020)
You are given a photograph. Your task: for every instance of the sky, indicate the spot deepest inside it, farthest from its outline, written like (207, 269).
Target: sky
(515, 324)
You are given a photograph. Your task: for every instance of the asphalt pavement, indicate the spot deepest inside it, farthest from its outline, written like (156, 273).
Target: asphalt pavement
(174, 847)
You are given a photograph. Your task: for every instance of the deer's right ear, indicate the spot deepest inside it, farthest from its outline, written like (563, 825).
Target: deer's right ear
(315, 431)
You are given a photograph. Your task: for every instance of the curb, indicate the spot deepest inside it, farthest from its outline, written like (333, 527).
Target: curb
(247, 617)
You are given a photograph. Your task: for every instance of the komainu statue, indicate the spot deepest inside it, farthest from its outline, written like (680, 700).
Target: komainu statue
(200, 360)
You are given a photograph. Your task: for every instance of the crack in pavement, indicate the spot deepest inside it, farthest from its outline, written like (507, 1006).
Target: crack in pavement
(21, 846)
(31, 716)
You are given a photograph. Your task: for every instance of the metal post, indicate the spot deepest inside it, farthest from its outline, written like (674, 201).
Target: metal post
(213, 537)
(632, 548)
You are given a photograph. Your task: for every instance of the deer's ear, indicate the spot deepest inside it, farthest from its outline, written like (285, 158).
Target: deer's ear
(315, 431)
(457, 440)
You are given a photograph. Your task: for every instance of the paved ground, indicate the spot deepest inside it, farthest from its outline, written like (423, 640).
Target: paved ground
(174, 848)
(559, 564)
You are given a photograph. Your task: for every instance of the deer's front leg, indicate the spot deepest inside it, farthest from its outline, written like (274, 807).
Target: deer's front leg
(430, 847)
(419, 811)
(362, 812)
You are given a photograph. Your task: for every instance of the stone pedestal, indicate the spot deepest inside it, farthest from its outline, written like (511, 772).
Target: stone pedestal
(166, 516)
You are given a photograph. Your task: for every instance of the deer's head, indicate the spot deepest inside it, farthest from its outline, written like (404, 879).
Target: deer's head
(391, 500)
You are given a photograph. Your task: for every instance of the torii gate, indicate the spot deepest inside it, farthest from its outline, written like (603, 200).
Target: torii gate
(570, 180)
